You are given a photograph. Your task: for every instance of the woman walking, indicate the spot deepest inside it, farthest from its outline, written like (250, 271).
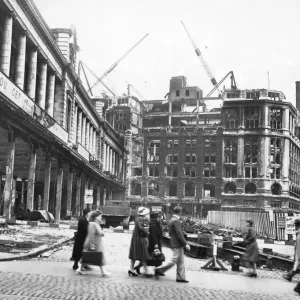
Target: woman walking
(94, 241)
(155, 236)
(139, 243)
(252, 254)
(80, 237)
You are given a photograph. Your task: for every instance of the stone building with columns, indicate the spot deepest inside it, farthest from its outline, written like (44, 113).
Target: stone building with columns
(54, 143)
(242, 156)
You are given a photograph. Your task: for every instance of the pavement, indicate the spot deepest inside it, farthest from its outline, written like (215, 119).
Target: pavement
(53, 278)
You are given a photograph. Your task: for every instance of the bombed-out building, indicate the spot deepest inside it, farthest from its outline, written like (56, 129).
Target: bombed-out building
(241, 156)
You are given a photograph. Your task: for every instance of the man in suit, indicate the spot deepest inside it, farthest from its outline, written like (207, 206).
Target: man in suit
(82, 230)
(178, 244)
(296, 256)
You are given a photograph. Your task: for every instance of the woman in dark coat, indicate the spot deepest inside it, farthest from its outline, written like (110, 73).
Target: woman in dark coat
(155, 236)
(252, 254)
(82, 230)
(139, 242)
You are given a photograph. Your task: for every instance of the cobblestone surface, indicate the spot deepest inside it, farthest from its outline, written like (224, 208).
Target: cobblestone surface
(117, 247)
(30, 287)
(24, 286)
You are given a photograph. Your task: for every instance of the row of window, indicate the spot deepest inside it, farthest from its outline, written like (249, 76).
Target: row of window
(189, 143)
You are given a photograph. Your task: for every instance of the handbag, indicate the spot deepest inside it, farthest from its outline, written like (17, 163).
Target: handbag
(94, 258)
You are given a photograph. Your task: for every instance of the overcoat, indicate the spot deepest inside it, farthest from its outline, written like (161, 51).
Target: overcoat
(139, 242)
(252, 254)
(80, 237)
(155, 235)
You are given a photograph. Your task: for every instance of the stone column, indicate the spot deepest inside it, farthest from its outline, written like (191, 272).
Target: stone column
(286, 159)
(59, 184)
(104, 196)
(7, 192)
(5, 52)
(75, 124)
(31, 178)
(108, 158)
(286, 119)
(87, 136)
(113, 162)
(264, 155)
(78, 194)
(22, 191)
(31, 81)
(79, 127)
(104, 156)
(69, 191)
(47, 181)
(98, 197)
(50, 94)
(95, 143)
(20, 64)
(266, 116)
(41, 94)
(91, 138)
(242, 117)
(240, 156)
(83, 130)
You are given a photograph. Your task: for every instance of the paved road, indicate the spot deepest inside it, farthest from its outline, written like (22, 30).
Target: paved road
(53, 278)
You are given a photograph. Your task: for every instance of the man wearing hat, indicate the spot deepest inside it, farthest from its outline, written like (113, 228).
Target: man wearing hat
(293, 272)
(178, 243)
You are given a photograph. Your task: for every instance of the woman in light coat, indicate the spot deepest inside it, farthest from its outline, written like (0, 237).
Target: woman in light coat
(94, 240)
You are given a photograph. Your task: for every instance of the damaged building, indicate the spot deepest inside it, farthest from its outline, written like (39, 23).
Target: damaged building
(242, 156)
(54, 143)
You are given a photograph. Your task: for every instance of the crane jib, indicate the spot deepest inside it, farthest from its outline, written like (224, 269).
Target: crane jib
(198, 52)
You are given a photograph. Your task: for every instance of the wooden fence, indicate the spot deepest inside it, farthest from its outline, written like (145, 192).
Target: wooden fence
(263, 224)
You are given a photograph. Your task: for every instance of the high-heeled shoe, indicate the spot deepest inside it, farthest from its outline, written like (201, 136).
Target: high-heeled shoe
(137, 269)
(130, 273)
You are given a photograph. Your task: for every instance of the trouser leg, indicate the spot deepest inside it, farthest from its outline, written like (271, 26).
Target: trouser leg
(180, 273)
(168, 265)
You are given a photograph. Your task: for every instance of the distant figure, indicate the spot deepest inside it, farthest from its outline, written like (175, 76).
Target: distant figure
(82, 229)
(94, 240)
(293, 271)
(139, 243)
(252, 254)
(178, 243)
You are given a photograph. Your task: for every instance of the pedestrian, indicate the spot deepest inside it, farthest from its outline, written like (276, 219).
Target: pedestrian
(289, 276)
(178, 244)
(252, 255)
(94, 241)
(155, 236)
(139, 243)
(80, 237)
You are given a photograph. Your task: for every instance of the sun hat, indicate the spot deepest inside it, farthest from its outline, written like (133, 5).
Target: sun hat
(143, 211)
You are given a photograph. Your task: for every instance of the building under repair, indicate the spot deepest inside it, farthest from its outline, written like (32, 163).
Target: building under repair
(242, 156)
(54, 143)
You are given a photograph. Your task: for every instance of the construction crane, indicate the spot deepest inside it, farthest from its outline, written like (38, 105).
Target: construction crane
(199, 54)
(113, 66)
(138, 93)
(81, 66)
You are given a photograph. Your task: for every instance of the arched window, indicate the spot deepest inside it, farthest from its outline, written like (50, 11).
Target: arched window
(250, 188)
(230, 188)
(276, 189)
(172, 189)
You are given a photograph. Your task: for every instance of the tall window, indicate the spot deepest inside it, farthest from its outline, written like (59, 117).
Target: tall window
(251, 155)
(190, 171)
(252, 117)
(230, 153)
(231, 118)
(172, 171)
(172, 144)
(275, 118)
(190, 157)
(276, 148)
(172, 158)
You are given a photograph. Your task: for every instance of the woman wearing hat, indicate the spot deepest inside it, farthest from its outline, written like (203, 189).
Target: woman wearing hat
(252, 254)
(155, 236)
(139, 242)
(94, 240)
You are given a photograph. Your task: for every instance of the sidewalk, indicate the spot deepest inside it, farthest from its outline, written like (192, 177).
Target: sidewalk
(204, 280)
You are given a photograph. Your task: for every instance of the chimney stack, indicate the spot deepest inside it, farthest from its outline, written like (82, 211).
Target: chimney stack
(62, 37)
(298, 95)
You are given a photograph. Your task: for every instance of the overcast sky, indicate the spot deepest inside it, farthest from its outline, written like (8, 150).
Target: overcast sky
(250, 37)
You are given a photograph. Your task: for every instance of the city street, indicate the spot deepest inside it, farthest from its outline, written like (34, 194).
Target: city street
(53, 278)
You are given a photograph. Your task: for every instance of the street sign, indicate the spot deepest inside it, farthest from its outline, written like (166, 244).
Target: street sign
(289, 225)
(156, 208)
(88, 197)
